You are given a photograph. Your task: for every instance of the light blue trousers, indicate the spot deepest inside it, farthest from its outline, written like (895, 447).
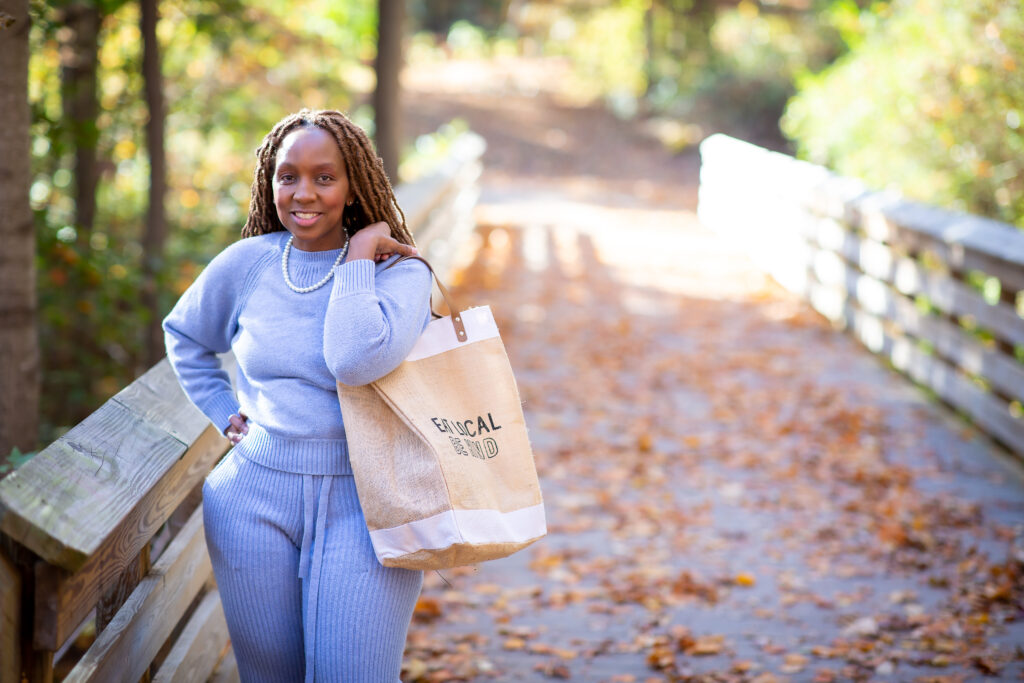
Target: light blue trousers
(303, 593)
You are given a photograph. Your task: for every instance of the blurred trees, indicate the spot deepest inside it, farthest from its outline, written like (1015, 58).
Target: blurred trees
(19, 350)
(231, 70)
(145, 116)
(438, 16)
(930, 100)
(154, 233)
(926, 94)
(729, 65)
(387, 67)
(77, 37)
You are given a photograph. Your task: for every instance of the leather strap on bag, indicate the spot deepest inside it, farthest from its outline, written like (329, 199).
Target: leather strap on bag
(460, 327)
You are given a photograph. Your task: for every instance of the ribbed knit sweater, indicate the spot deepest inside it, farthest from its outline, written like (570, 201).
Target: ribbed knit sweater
(304, 597)
(292, 348)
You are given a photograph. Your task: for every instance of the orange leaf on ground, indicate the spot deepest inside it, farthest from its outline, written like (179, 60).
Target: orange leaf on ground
(427, 609)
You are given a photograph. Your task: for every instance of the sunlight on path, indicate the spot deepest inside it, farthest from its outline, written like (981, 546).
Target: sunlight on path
(735, 491)
(664, 249)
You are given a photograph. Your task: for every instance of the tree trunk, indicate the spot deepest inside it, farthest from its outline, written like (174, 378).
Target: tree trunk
(19, 345)
(649, 58)
(386, 97)
(702, 14)
(155, 233)
(78, 56)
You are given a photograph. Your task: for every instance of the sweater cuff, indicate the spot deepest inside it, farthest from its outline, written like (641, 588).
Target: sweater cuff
(354, 276)
(219, 408)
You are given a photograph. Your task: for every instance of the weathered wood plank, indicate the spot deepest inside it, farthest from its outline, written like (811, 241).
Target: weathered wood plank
(125, 649)
(874, 296)
(963, 241)
(227, 670)
(183, 512)
(118, 591)
(911, 278)
(422, 196)
(158, 398)
(64, 502)
(73, 595)
(989, 412)
(195, 653)
(10, 622)
(1010, 275)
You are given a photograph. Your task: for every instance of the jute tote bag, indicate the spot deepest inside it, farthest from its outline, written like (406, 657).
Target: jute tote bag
(439, 450)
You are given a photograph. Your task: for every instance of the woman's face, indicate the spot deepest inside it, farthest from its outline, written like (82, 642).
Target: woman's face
(311, 189)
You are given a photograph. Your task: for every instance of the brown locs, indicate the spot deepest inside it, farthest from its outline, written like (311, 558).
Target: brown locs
(374, 199)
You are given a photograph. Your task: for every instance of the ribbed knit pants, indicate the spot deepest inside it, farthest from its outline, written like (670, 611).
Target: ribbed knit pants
(304, 596)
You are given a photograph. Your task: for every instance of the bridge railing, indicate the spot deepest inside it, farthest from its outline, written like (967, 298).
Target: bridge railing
(937, 293)
(104, 526)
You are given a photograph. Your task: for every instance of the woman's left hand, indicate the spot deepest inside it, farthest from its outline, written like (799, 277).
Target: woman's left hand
(375, 242)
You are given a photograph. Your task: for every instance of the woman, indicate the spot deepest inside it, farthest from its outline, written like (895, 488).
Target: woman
(305, 301)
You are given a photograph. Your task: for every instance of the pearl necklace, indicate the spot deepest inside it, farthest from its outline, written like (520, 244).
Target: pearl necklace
(318, 285)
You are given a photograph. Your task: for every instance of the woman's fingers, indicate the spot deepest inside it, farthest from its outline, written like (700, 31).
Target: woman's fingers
(375, 242)
(380, 228)
(388, 247)
(237, 428)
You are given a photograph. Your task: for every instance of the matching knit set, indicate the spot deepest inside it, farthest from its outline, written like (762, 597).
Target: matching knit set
(304, 595)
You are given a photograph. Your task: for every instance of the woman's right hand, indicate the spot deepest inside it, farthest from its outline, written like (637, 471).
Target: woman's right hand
(238, 428)
(374, 242)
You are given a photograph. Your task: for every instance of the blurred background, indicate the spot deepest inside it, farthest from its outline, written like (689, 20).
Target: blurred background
(926, 96)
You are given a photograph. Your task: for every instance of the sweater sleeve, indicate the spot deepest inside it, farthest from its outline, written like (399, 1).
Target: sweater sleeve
(374, 318)
(202, 324)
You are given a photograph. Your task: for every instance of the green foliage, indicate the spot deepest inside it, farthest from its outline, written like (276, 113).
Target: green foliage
(930, 101)
(730, 66)
(758, 57)
(603, 44)
(441, 16)
(13, 461)
(231, 70)
(755, 59)
(430, 149)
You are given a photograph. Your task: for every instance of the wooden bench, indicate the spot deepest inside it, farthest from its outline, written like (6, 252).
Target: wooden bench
(105, 526)
(899, 275)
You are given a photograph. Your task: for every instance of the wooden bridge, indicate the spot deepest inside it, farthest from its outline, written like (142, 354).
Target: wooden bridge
(105, 527)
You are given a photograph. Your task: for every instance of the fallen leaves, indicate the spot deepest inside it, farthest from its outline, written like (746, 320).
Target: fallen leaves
(745, 579)
(733, 495)
(426, 609)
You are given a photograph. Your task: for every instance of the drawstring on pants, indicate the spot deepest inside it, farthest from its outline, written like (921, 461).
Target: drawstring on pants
(313, 530)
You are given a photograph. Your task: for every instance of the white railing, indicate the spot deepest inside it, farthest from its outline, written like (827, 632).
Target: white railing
(938, 293)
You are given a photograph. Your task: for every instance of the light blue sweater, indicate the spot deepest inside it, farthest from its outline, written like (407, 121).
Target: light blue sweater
(292, 348)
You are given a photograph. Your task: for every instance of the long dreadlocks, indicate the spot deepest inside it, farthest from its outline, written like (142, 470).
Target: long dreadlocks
(374, 199)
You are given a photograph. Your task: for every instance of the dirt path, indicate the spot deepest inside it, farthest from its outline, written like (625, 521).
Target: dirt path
(538, 139)
(735, 492)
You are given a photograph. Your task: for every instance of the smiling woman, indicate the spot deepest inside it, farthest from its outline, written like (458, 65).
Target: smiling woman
(302, 597)
(311, 189)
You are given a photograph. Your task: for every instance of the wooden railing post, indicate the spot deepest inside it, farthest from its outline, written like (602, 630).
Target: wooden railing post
(115, 594)
(10, 621)
(20, 657)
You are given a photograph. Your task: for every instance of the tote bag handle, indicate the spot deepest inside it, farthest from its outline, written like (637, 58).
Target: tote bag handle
(460, 327)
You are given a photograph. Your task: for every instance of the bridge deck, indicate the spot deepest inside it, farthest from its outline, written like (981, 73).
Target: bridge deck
(733, 488)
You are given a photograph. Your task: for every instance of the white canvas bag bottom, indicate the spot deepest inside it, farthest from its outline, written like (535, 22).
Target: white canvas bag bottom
(455, 527)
